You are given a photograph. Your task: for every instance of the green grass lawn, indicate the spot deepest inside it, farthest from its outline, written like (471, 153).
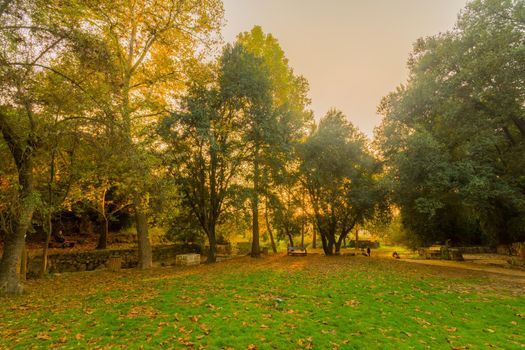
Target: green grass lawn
(271, 303)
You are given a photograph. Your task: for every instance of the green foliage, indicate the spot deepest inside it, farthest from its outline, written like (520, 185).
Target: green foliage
(341, 178)
(454, 136)
(204, 150)
(278, 122)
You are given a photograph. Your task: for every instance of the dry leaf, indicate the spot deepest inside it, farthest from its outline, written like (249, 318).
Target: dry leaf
(194, 318)
(43, 336)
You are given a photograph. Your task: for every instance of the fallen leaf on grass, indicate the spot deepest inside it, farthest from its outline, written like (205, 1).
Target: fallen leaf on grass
(43, 336)
(185, 342)
(195, 318)
(352, 303)
(204, 328)
(251, 347)
(452, 329)
(212, 307)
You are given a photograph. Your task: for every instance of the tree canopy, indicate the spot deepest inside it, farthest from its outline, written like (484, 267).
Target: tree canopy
(453, 136)
(340, 176)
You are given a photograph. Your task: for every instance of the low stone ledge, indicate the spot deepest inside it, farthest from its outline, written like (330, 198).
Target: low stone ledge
(97, 259)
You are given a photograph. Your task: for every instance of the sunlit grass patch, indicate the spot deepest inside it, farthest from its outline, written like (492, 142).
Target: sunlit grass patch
(339, 302)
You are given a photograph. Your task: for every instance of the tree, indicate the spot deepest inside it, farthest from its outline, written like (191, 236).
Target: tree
(117, 60)
(205, 151)
(245, 81)
(59, 149)
(340, 176)
(286, 207)
(279, 118)
(147, 46)
(453, 136)
(29, 40)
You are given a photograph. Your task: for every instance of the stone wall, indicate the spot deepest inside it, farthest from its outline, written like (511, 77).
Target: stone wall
(476, 250)
(511, 249)
(97, 259)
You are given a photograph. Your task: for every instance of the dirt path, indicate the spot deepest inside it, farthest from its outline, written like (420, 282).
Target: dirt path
(493, 267)
(507, 274)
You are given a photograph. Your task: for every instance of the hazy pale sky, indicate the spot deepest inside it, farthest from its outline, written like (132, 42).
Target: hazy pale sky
(352, 52)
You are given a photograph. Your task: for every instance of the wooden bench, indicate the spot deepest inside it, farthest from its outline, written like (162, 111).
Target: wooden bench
(297, 251)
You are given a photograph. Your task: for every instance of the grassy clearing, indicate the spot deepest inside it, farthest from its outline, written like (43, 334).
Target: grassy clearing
(271, 303)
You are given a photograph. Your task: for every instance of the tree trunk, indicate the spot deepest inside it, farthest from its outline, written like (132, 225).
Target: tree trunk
(103, 238)
(23, 264)
(302, 234)
(256, 250)
(342, 238)
(314, 237)
(49, 230)
(330, 246)
(212, 254)
(14, 243)
(324, 241)
(141, 221)
(290, 238)
(357, 240)
(269, 228)
(337, 247)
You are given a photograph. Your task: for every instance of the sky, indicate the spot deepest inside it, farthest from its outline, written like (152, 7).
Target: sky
(353, 52)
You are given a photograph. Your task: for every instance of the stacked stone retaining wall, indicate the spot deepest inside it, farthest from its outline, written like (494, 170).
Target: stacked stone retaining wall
(511, 249)
(97, 259)
(476, 250)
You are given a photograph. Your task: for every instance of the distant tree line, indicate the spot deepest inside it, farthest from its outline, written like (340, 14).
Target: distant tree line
(122, 108)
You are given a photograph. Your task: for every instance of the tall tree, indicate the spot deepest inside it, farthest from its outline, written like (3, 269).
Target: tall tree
(279, 121)
(340, 176)
(205, 151)
(30, 38)
(245, 81)
(453, 136)
(148, 44)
